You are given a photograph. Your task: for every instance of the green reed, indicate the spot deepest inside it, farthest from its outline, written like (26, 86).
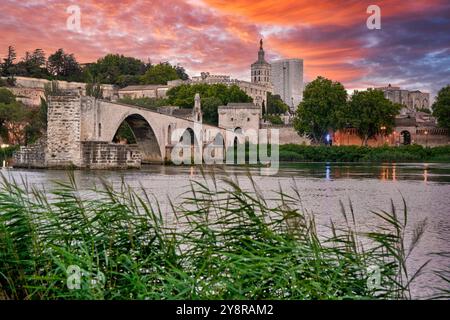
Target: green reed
(224, 243)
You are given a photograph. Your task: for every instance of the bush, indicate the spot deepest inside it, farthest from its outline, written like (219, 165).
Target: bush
(145, 102)
(359, 154)
(291, 156)
(273, 119)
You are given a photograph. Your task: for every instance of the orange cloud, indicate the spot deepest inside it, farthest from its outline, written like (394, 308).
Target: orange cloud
(318, 12)
(222, 36)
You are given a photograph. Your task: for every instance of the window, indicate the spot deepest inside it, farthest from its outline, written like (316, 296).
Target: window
(99, 129)
(169, 134)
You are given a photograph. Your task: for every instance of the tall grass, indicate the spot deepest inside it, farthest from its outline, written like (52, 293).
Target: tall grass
(7, 153)
(225, 243)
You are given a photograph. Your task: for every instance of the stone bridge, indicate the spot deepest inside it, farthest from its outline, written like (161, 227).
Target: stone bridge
(81, 130)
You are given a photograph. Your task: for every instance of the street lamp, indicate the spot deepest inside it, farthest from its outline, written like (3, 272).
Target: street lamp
(383, 129)
(426, 138)
(3, 147)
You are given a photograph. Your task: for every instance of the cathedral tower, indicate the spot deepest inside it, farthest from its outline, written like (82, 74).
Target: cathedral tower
(261, 70)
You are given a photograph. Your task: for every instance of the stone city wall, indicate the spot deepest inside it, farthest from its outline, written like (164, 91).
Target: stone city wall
(110, 92)
(28, 96)
(287, 134)
(427, 137)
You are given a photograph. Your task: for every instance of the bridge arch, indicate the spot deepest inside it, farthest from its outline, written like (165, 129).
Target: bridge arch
(189, 137)
(144, 135)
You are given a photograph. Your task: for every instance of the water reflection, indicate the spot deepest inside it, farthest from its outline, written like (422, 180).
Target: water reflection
(388, 172)
(429, 172)
(327, 172)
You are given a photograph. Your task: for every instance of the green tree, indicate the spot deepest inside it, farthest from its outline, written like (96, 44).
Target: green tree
(8, 67)
(370, 113)
(181, 72)
(116, 69)
(12, 113)
(6, 96)
(273, 119)
(33, 65)
(275, 104)
(441, 107)
(145, 102)
(212, 96)
(209, 109)
(316, 114)
(160, 74)
(64, 66)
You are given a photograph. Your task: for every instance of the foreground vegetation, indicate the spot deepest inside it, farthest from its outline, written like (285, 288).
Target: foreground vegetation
(225, 243)
(297, 153)
(7, 153)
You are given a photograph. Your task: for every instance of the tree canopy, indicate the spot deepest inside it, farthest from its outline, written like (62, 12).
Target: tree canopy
(116, 69)
(275, 104)
(33, 65)
(13, 114)
(370, 113)
(113, 69)
(8, 67)
(6, 96)
(212, 96)
(316, 114)
(64, 66)
(160, 74)
(441, 107)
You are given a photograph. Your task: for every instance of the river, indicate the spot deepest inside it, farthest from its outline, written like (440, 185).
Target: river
(425, 187)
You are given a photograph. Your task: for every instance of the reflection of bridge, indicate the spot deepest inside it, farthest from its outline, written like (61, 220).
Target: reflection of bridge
(81, 130)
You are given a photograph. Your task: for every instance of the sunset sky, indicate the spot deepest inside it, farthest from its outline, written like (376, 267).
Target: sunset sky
(411, 50)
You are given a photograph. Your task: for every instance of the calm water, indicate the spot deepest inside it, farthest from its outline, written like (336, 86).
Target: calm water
(425, 187)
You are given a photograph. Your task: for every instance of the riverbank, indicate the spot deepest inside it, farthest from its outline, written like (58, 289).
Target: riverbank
(125, 248)
(411, 153)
